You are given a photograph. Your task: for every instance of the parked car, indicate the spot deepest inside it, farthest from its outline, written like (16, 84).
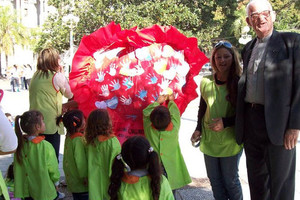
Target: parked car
(206, 68)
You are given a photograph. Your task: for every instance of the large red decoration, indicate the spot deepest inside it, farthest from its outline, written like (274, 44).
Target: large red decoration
(1, 94)
(126, 70)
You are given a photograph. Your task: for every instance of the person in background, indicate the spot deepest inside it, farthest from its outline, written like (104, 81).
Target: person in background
(14, 78)
(22, 76)
(47, 88)
(268, 105)
(8, 145)
(10, 119)
(215, 126)
(28, 75)
(36, 173)
(161, 127)
(137, 174)
(102, 148)
(75, 160)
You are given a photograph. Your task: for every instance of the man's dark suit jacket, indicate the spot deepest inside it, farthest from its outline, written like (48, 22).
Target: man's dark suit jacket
(281, 86)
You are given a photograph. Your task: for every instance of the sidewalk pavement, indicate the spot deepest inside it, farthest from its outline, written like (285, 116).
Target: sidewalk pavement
(17, 102)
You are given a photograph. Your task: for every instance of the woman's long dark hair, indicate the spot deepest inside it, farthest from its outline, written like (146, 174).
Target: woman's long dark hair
(27, 122)
(72, 120)
(234, 74)
(135, 152)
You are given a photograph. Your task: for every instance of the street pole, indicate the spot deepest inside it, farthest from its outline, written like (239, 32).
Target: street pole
(71, 34)
(71, 20)
(71, 45)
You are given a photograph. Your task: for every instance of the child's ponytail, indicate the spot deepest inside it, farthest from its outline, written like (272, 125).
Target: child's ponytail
(116, 178)
(26, 123)
(155, 172)
(59, 119)
(20, 139)
(72, 120)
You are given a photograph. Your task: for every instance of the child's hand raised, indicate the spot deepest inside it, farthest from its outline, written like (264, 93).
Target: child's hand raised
(171, 97)
(161, 99)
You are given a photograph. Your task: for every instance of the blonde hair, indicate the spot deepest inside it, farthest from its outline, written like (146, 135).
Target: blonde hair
(48, 61)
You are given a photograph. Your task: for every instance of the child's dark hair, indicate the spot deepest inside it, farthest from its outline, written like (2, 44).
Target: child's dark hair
(160, 117)
(7, 114)
(26, 123)
(137, 154)
(98, 123)
(72, 120)
(10, 172)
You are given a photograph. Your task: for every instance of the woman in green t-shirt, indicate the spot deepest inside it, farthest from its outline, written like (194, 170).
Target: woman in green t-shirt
(216, 118)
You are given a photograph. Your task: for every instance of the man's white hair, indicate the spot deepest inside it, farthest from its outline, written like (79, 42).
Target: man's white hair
(258, 2)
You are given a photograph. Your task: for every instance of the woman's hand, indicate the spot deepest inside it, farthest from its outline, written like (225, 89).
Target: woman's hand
(217, 124)
(60, 69)
(196, 136)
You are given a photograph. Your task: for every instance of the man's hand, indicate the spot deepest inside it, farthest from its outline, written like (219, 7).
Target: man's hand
(291, 138)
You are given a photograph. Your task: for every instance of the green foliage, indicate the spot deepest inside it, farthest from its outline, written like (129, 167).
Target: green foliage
(287, 15)
(202, 19)
(11, 31)
(207, 20)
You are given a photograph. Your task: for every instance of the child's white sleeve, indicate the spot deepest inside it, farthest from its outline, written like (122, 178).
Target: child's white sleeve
(61, 84)
(8, 138)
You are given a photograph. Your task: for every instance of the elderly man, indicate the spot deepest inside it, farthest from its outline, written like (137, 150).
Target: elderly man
(268, 105)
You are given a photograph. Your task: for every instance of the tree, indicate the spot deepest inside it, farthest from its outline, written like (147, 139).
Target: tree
(11, 32)
(202, 19)
(287, 15)
(209, 21)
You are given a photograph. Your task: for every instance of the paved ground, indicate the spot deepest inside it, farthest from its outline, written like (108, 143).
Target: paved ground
(17, 103)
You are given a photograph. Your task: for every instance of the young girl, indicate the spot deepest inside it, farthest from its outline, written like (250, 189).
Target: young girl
(102, 148)
(142, 178)
(35, 165)
(75, 161)
(216, 120)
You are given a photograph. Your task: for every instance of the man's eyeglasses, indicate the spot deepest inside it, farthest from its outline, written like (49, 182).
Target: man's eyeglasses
(223, 43)
(256, 15)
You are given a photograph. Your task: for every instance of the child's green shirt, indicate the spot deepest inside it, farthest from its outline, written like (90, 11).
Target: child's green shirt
(166, 144)
(38, 173)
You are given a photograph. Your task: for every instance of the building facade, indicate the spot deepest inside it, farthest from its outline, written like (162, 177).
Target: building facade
(32, 14)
